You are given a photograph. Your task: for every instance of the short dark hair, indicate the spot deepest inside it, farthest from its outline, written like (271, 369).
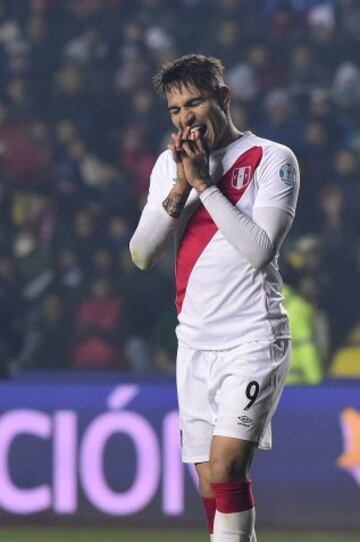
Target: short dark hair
(204, 72)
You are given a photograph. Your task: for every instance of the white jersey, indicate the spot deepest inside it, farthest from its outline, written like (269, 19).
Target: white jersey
(221, 299)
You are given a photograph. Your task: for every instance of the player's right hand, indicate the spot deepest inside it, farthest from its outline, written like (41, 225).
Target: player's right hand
(177, 154)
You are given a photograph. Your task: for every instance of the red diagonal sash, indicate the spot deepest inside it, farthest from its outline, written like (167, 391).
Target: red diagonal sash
(201, 228)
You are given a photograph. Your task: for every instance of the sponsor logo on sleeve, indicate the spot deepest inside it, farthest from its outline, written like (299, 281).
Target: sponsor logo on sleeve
(287, 174)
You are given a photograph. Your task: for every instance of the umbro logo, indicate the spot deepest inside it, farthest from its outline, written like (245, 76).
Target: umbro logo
(244, 420)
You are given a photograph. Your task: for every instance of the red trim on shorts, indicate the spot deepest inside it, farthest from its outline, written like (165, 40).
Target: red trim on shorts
(201, 228)
(233, 497)
(210, 509)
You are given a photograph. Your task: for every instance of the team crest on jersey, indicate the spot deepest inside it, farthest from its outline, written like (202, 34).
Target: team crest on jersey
(287, 174)
(241, 177)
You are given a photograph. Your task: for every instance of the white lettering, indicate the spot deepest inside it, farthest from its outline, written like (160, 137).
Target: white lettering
(65, 462)
(147, 454)
(173, 470)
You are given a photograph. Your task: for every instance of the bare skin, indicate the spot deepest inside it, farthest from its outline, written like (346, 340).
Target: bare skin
(190, 107)
(178, 195)
(230, 458)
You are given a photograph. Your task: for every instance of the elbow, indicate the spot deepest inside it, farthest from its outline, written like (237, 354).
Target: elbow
(259, 264)
(261, 261)
(141, 263)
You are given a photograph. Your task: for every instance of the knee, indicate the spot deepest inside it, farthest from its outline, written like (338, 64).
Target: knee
(205, 488)
(205, 481)
(227, 470)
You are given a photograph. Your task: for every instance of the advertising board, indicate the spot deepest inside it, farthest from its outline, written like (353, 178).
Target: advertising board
(105, 451)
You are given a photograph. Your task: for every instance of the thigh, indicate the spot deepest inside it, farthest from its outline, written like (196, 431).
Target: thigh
(248, 387)
(195, 411)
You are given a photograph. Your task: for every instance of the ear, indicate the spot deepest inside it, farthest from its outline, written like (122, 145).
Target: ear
(224, 97)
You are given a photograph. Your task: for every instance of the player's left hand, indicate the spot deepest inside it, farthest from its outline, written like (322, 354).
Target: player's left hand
(195, 159)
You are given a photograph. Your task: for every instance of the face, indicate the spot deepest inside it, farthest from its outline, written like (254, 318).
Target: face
(190, 106)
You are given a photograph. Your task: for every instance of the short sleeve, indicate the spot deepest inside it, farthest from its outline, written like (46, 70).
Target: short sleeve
(161, 180)
(278, 179)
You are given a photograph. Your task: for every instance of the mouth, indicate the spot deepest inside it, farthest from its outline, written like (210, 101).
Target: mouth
(200, 128)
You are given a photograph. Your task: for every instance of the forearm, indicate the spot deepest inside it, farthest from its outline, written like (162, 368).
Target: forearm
(175, 201)
(256, 240)
(152, 237)
(156, 228)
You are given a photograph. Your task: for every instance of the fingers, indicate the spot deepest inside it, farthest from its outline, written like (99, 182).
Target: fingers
(177, 139)
(188, 148)
(188, 142)
(177, 148)
(175, 153)
(200, 143)
(192, 139)
(180, 136)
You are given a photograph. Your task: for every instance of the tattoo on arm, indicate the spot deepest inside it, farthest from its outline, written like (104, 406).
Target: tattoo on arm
(174, 204)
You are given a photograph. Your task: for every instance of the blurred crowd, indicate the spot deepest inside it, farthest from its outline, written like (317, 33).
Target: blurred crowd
(80, 130)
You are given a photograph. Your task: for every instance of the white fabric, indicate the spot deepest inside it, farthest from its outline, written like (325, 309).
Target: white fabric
(153, 236)
(233, 295)
(213, 389)
(256, 239)
(235, 527)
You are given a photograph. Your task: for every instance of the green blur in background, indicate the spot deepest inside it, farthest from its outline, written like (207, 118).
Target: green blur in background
(96, 534)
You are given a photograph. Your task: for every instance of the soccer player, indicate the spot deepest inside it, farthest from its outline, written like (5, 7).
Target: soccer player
(228, 200)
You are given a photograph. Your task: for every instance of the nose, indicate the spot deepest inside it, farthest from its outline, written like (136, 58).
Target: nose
(187, 118)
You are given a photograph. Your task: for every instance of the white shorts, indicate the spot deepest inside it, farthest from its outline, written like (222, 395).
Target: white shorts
(230, 393)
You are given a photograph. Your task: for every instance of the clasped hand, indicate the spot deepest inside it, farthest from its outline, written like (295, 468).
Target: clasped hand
(191, 156)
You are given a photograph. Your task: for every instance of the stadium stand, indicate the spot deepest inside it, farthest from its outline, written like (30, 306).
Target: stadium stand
(80, 127)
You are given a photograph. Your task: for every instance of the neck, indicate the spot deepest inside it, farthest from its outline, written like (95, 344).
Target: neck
(230, 134)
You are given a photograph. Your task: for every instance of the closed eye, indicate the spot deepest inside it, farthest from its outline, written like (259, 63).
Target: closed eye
(191, 103)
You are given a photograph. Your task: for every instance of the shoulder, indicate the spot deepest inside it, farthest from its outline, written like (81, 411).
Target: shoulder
(272, 150)
(265, 150)
(164, 160)
(279, 169)
(164, 166)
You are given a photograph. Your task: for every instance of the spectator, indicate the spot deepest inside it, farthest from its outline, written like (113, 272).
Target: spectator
(79, 130)
(47, 338)
(100, 328)
(306, 364)
(281, 123)
(11, 313)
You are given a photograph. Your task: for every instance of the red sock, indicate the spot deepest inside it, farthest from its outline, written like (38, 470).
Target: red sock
(210, 509)
(233, 496)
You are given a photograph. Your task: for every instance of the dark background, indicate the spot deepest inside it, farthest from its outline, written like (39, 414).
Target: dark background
(81, 127)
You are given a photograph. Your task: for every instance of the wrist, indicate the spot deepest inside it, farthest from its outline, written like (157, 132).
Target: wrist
(176, 200)
(181, 189)
(200, 186)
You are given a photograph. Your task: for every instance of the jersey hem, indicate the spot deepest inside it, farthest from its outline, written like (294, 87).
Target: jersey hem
(195, 459)
(233, 434)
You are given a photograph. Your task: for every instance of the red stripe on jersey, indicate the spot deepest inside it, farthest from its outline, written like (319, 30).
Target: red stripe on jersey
(201, 228)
